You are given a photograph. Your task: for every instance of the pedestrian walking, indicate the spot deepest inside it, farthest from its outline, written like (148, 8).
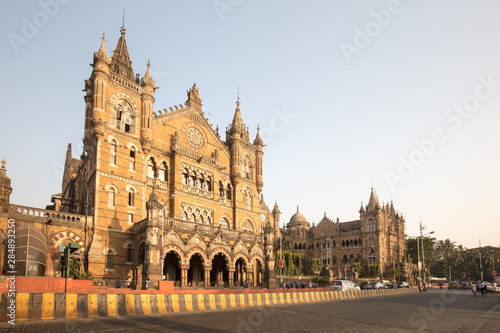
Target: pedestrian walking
(482, 287)
(147, 283)
(474, 289)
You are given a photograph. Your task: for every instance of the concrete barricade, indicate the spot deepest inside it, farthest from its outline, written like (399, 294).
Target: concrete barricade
(42, 306)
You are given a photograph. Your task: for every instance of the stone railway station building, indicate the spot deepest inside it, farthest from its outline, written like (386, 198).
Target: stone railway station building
(154, 194)
(377, 238)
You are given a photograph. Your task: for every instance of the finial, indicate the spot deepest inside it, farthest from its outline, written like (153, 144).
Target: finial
(122, 30)
(238, 101)
(148, 64)
(297, 208)
(3, 171)
(103, 37)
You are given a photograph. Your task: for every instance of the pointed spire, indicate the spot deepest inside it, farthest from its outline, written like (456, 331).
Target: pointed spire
(147, 80)
(237, 127)
(276, 209)
(373, 204)
(362, 209)
(120, 61)
(3, 170)
(102, 54)
(297, 208)
(258, 140)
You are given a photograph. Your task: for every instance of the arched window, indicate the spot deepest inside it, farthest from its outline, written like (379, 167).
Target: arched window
(119, 111)
(201, 183)
(344, 259)
(247, 226)
(334, 260)
(112, 152)
(300, 246)
(224, 223)
(151, 168)
(109, 259)
(130, 253)
(355, 242)
(111, 197)
(347, 243)
(296, 247)
(128, 121)
(141, 255)
(185, 178)
(131, 197)
(228, 192)
(221, 189)
(132, 158)
(209, 186)
(370, 225)
(334, 244)
(164, 172)
(343, 243)
(359, 242)
(192, 183)
(304, 246)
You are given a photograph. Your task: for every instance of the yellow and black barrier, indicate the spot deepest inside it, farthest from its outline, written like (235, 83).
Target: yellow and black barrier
(43, 306)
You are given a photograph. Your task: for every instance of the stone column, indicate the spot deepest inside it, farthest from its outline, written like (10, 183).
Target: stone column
(208, 269)
(231, 277)
(251, 279)
(184, 275)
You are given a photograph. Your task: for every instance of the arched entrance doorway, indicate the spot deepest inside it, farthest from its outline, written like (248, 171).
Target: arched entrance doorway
(172, 268)
(240, 272)
(196, 273)
(219, 275)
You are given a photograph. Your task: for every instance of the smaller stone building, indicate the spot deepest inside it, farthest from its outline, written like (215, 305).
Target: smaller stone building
(377, 238)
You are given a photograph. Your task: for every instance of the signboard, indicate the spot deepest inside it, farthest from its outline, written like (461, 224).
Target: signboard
(280, 263)
(419, 265)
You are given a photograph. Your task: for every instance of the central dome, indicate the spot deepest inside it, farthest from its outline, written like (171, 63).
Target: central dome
(298, 220)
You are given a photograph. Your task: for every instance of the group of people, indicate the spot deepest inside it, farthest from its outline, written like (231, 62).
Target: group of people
(480, 286)
(123, 283)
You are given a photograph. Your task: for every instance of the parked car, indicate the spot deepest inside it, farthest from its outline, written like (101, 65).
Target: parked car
(402, 284)
(375, 285)
(363, 284)
(342, 285)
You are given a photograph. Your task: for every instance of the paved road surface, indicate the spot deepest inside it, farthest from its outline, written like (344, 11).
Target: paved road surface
(435, 311)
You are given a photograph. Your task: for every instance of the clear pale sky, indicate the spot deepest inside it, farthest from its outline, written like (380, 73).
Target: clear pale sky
(404, 95)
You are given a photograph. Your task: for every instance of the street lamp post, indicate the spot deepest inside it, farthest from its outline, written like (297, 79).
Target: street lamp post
(423, 256)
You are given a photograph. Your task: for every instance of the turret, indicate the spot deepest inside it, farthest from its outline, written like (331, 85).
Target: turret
(276, 214)
(235, 133)
(259, 144)
(95, 100)
(148, 100)
(5, 189)
(373, 204)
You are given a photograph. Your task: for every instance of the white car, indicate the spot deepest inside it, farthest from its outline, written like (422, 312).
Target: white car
(342, 285)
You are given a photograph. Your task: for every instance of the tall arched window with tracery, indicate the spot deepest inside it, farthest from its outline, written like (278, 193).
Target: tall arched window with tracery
(224, 223)
(247, 199)
(247, 226)
(370, 225)
(124, 118)
(151, 168)
(112, 151)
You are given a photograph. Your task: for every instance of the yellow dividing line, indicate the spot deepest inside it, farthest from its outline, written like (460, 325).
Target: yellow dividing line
(232, 300)
(282, 298)
(188, 299)
(71, 311)
(146, 303)
(288, 298)
(130, 304)
(295, 298)
(259, 299)
(242, 300)
(201, 302)
(47, 306)
(222, 301)
(275, 299)
(250, 299)
(213, 306)
(112, 308)
(175, 303)
(92, 305)
(22, 300)
(266, 297)
(160, 300)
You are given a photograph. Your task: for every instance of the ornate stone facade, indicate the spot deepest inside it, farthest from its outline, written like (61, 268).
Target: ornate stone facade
(157, 193)
(377, 237)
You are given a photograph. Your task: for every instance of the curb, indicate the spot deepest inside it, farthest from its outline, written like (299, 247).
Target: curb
(45, 306)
